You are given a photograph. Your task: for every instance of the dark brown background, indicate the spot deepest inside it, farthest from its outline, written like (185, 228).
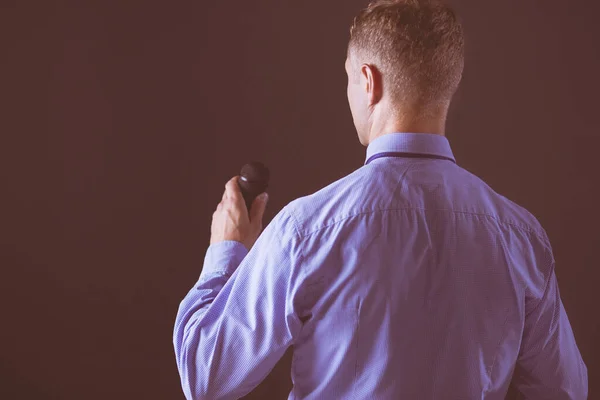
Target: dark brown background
(122, 120)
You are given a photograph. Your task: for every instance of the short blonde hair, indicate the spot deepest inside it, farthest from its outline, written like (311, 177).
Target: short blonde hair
(417, 45)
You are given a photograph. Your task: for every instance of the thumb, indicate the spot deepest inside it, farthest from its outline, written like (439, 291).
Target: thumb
(258, 208)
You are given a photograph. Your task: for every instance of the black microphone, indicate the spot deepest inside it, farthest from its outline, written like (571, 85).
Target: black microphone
(253, 180)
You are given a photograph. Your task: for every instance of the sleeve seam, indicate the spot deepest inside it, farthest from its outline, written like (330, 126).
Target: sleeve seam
(546, 286)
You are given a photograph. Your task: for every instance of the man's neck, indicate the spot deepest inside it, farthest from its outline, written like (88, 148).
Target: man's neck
(426, 123)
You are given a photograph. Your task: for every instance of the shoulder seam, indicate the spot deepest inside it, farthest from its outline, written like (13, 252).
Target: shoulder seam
(295, 223)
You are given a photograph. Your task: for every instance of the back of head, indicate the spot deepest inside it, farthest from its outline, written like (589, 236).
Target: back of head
(417, 45)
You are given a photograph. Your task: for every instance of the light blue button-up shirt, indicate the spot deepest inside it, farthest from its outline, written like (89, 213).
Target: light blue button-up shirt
(408, 279)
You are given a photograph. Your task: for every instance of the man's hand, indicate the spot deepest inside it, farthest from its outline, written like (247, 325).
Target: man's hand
(231, 220)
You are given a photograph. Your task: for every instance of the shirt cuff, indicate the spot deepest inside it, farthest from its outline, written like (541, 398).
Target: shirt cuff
(223, 257)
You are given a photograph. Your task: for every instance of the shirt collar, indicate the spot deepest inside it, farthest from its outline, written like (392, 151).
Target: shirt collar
(416, 143)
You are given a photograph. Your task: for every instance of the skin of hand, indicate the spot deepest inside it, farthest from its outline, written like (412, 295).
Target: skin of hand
(232, 221)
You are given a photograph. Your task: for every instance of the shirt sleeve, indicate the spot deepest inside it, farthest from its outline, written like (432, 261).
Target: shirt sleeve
(239, 319)
(550, 364)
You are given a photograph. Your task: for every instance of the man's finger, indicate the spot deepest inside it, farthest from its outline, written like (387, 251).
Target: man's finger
(258, 208)
(233, 190)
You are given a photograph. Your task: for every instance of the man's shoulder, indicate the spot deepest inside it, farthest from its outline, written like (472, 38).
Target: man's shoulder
(502, 208)
(332, 203)
(521, 217)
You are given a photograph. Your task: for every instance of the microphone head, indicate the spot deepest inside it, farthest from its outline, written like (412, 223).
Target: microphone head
(254, 177)
(253, 180)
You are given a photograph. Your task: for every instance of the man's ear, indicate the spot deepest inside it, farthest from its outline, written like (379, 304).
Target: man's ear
(372, 81)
